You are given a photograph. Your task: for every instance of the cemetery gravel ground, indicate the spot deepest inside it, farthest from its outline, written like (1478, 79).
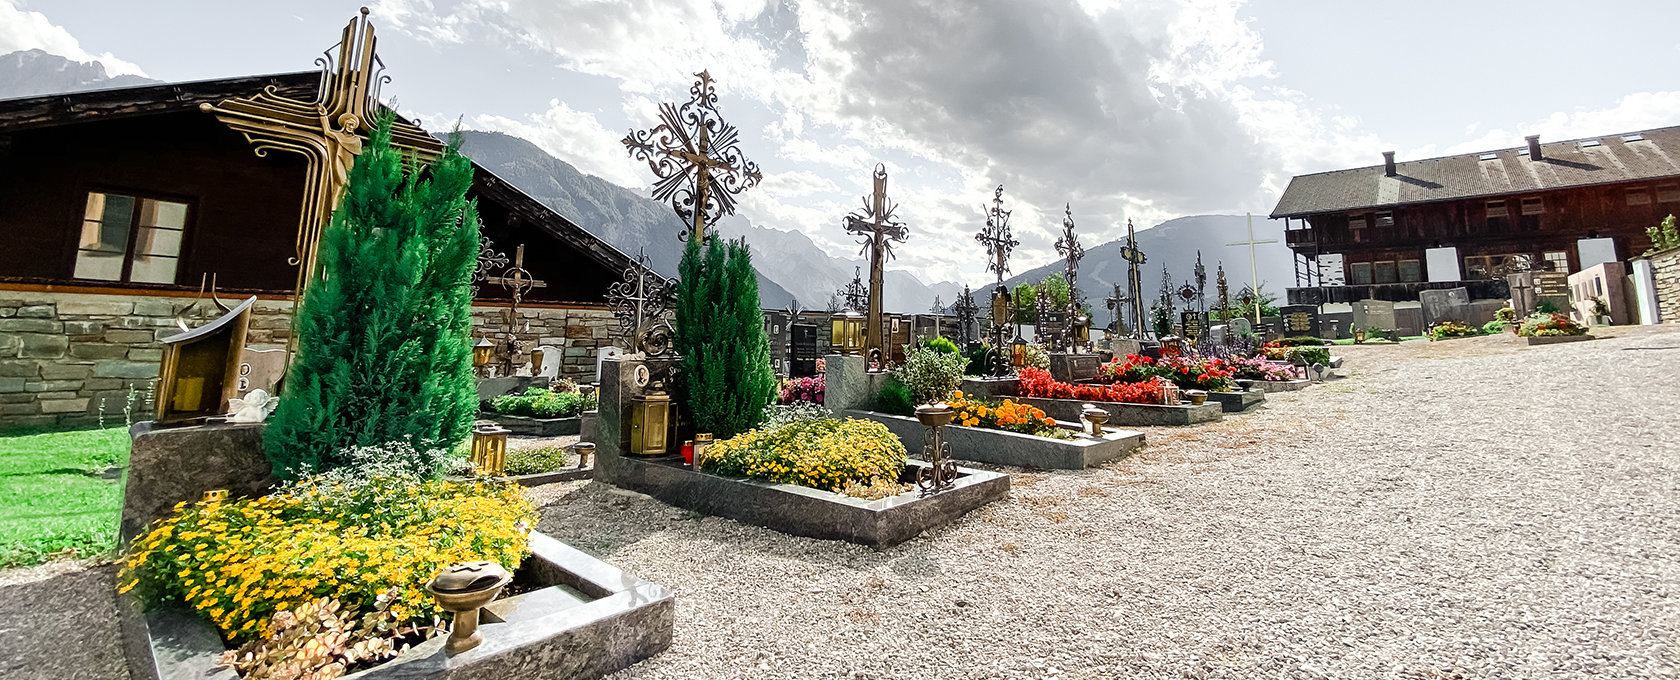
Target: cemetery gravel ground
(1462, 509)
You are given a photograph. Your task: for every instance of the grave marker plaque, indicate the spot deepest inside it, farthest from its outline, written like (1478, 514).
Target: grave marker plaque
(1240, 327)
(1553, 288)
(1190, 323)
(1300, 320)
(805, 352)
(1378, 314)
(1452, 304)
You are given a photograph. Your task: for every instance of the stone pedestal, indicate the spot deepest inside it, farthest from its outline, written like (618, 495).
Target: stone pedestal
(848, 384)
(178, 464)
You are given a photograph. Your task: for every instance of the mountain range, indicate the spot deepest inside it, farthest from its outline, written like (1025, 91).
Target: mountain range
(790, 265)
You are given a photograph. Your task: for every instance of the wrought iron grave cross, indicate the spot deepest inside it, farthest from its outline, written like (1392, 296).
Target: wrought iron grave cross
(639, 302)
(517, 281)
(966, 312)
(1134, 279)
(697, 157)
(996, 236)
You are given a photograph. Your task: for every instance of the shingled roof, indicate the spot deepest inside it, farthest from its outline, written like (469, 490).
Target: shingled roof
(1625, 157)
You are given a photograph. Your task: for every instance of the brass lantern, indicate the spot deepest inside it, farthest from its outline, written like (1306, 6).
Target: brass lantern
(1082, 330)
(846, 332)
(651, 416)
(484, 352)
(489, 450)
(1018, 352)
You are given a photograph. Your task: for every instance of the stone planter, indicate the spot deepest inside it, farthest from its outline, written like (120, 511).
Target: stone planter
(534, 427)
(990, 387)
(1281, 385)
(1237, 402)
(1555, 339)
(1000, 447)
(551, 477)
(803, 511)
(584, 619)
(1129, 415)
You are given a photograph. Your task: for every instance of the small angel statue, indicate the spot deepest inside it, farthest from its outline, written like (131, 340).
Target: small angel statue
(254, 408)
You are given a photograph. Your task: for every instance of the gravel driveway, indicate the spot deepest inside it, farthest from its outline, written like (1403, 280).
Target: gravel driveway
(1463, 509)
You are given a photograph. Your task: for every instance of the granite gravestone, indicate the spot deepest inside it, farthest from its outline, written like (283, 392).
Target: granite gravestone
(1190, 326)
(1378, 314)
(1240, 327)
(1452, 304)
(1300, 320)
(1551, 290)
(805, 351)
(260, 368)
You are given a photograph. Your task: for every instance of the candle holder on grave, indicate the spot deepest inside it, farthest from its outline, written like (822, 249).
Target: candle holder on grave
(585, 451)
(199, 372)
(651, 418)
(484, 352)
(489, 450)
(941, 472)
(1093, 418)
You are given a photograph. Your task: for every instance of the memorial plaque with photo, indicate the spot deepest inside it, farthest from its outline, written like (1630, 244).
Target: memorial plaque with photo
(1190, 323)
(1300, 320)
(1452, 304)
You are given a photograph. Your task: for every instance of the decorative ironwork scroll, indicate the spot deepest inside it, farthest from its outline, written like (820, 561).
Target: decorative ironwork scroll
(879, 230)
(639, 303)
(697, 157)
(940, 474)
(517, 281)
(855, 295)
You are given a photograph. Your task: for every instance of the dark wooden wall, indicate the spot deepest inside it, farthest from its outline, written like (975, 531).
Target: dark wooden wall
(571, 277)
(1570, 215)
(242, 224)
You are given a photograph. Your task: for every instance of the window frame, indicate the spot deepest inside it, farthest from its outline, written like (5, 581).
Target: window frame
(126, 273)
(1539, 203)
(1504, 206)
(1353, 274)
(1637, 196)
(1668, 193)
(1383, 219)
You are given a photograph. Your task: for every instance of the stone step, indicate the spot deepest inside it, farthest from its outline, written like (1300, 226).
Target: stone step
(533, 605)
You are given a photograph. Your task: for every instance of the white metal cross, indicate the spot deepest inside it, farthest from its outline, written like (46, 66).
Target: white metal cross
(1254, 270)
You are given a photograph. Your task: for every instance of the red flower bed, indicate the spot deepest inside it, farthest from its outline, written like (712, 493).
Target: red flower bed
(1037, 382)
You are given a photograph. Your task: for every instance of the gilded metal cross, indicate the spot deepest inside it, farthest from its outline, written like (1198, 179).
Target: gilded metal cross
(697, 157)
(879, 229)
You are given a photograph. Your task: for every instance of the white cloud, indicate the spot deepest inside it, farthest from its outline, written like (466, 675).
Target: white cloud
(21, 29)
(1634, 112)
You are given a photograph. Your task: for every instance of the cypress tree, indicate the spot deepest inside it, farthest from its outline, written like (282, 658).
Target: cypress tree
(725, 352)
(384, 331)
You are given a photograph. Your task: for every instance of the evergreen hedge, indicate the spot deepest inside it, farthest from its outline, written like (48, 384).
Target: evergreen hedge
(384, 351)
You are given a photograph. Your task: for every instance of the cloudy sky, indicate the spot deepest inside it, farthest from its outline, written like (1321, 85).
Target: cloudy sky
(1143, 110)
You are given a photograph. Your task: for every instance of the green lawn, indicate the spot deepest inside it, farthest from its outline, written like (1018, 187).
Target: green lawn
(52, 498)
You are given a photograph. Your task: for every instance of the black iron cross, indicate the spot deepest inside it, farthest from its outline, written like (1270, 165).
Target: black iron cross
(639, 302)
(966, 312)
(1069, 248)
(1117, 303)
(855, 295)
(697, 157)
(996, 237)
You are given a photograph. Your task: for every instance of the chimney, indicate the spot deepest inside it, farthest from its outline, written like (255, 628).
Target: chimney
(1388, 163)
(1533, 147)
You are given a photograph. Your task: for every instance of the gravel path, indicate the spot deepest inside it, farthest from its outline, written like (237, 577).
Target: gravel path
(1463, 509)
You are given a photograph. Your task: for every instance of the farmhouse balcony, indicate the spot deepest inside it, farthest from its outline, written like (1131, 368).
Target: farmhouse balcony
(1394, 292)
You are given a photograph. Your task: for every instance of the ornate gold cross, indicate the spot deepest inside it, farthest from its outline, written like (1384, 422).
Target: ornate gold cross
(697, 157)
(327, 132)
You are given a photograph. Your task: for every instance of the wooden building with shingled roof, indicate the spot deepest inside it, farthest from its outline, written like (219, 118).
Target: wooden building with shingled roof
(1389, 231)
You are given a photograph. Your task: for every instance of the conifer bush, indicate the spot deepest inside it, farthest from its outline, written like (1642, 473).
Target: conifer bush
(384, 331)
(725, 353)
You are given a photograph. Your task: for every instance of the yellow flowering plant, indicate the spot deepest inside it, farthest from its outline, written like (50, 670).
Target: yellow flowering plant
(819, 453)
(239, 562)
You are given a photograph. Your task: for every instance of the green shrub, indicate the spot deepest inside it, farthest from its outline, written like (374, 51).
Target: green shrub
(1493, 327)
(1665, 236)
(941, 345)
(384, 332)
(724, 353)
(540, 403)
(895, 399)
(1447, 330)
(1300, 340)
(977, 363)
(930, 375)
(1037, 357)
(531, 460)
(1545, 307)
(1506, 314)
(821, 454)
(1308, 355)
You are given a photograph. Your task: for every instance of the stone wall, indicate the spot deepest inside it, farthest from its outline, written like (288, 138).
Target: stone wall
(578, 332)
(1665, 268)
(81, 359)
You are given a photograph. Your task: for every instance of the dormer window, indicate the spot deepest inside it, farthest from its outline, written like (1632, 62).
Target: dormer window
(1533, 206)
(1385, 219)
(1497, 209)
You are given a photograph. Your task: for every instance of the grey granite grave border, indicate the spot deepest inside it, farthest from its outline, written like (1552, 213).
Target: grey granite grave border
(1130, 415)
(627, 620)
(534, 427)
(1001, 447)
(1282, 385)
(1238, 401)
(803, 511)
(1555, 339)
